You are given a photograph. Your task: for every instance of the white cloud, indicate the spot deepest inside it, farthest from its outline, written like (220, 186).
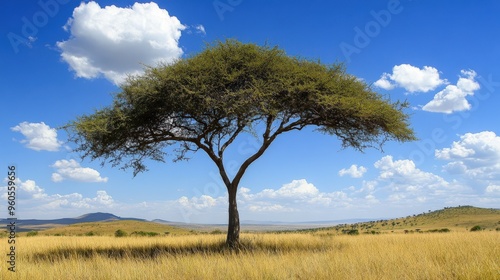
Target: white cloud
(292, 196)
(270, 208)
(367, 188)
(295, 189)
(453, 97)
(405, 172)
(39, 136)
(493, 189)
(476, 155)
(103, 198)
(114, 41)
(25, 190)
(76, 201)
(411, 78)
(200, 29)
(36, 200)
(354, 171)
(403, 180)
(202, 202)
(384, 82)
(71, 170)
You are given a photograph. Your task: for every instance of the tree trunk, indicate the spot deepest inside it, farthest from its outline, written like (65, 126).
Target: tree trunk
(233, 228)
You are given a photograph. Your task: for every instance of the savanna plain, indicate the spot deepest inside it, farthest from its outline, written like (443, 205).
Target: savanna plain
(373, 250)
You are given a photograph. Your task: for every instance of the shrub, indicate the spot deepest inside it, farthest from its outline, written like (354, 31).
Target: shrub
(476, 228)
(143, 233)
(439, 230)
(90, 233)
(120, 233)
(32, 233)
(217, 231)
(353, 232)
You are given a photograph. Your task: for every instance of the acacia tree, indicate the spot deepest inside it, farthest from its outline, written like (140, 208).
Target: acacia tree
(204, 102)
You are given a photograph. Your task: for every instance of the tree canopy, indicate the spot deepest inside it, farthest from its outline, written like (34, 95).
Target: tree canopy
(203, 102)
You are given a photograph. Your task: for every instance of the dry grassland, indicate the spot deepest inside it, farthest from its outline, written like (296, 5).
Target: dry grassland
(455, 255)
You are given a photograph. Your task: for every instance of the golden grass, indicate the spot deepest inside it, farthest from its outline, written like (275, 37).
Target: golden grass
(108, 228)
(455, 255)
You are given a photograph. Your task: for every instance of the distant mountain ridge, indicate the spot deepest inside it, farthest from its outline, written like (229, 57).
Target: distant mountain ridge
(34, 224)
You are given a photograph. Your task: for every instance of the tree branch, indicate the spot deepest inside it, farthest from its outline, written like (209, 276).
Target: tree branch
(267, 140)
(231, 139)
(218, 162)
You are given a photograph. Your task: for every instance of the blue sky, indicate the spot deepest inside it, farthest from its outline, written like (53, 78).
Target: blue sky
(64, 58)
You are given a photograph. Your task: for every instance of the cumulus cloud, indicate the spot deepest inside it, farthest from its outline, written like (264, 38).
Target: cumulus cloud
(202, 202)
(71, 170)
(403, 182)
(26, 190)
(476, 155)
(354, 171)
(102, 200)
(411, 78)
(295, 189)
(453, 97)
(39, 136)
(493, 189)
(36, 200)
(405, 175)
(115, 42)
(292, 197)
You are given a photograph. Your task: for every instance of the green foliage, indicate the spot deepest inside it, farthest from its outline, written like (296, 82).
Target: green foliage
(216, 231)
(205, 101)
(352, 232)
(439, 230)
(90, 233)
(32, 233)
(144, 233)
(120, 233)
(476, 228)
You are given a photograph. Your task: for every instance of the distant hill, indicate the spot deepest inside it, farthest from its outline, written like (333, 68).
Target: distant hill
(461, 218)
(33, 224)
(109, 227)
